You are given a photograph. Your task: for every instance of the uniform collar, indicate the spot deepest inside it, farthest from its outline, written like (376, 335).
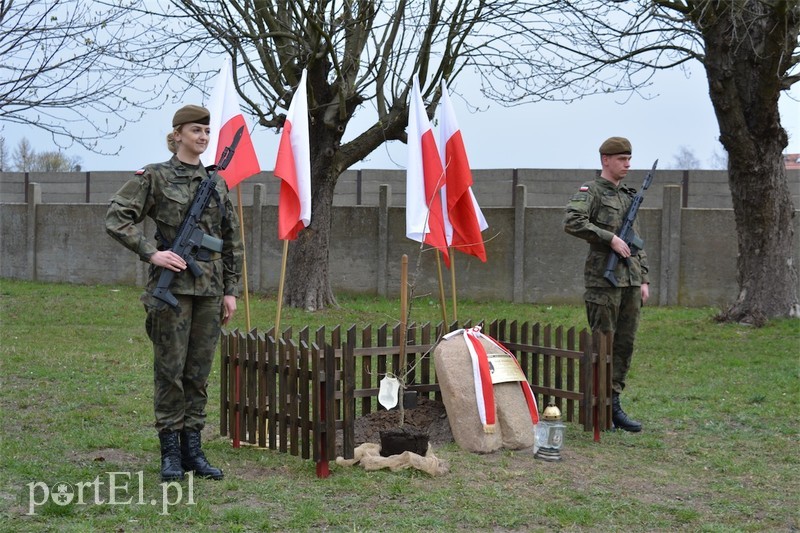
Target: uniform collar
(184, 170)
(607, 184)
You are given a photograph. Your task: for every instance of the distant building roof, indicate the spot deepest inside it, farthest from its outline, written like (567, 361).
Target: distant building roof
(791, 161)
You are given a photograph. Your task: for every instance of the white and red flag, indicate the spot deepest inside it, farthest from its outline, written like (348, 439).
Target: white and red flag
(226, 119)
(463, 219)
(424, 179)
(293, 167)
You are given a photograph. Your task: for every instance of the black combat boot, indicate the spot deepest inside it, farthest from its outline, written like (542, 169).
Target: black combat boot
(620, 419)
(170, 456)
(193, 458)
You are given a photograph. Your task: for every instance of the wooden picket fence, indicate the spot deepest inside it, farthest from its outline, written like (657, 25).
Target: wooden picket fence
(293, 394)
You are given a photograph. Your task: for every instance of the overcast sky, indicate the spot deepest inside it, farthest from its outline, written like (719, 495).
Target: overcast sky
(537, 135)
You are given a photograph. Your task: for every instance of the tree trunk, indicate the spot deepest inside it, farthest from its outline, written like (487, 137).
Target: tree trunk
(745, 84)
(307, 283)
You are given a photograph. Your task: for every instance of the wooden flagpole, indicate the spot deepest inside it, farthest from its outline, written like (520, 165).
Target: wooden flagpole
(403, 329)
(442, 299)
(237, 384)
(280, 289)
(244, 260)
(453, 284)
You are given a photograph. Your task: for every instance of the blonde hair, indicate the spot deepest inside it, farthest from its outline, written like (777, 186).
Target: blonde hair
(172, 146)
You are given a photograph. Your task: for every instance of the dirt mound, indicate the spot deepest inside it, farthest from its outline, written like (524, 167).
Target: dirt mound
(429, 416)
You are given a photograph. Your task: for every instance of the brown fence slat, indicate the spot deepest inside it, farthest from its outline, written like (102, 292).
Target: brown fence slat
(348, 388)
(425, 362)
(317, 415)
(571, 374)
(224, 362)
(284, 347)
(588, 416)
(336, 343)
(305, 385)
(546, 366)
(272, 392)
(409, 373)
(558, 370)
(252, 387)
(330, 390)
(263, 394)
(367, 381)
(525, 357)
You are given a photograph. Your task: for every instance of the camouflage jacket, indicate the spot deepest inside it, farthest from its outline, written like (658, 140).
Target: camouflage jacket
(595, 213)
(164, 192)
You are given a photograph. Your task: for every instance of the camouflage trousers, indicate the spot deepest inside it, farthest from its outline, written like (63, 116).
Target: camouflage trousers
(616, 310)
(184, 344)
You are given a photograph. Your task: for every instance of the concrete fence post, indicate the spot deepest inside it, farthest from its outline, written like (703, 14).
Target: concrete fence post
(669, 277)
(256, 237)
(520, 204)
(33, 198)
(384, 203)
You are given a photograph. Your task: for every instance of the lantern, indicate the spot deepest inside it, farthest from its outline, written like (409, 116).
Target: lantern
(550, 434)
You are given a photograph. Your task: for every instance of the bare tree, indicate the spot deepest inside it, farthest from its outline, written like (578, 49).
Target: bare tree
(24, 156)
(3, 155)
(65, 61)
(54, 161)
(719, 160)
(685, 159)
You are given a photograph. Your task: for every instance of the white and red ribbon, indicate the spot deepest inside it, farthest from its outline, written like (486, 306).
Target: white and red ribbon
(484, 391)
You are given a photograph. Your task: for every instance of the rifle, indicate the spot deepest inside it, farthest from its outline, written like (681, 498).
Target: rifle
(626, 232)
(190, 239)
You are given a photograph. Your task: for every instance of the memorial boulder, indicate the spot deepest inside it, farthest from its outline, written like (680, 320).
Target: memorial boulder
(488, 399)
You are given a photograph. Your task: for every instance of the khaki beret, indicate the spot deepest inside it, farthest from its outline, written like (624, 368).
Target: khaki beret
(615, 145)
(191, 113)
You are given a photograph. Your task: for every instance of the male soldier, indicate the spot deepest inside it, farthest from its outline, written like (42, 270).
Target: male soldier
(184, 339)
(595, 213)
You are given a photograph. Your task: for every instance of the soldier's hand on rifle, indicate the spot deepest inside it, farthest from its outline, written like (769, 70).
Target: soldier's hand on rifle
(169, 260)
(619, 246)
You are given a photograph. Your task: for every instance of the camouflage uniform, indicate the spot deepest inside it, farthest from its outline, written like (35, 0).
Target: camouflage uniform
(184, 341)
(595, 213)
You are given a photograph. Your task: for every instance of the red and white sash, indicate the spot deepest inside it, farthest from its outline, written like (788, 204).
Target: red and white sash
(484, 391)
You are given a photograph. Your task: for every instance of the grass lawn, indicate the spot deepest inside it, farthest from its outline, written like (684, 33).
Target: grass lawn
(719, 451)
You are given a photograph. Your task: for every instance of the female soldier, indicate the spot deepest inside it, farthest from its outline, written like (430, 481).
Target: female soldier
(184, 338)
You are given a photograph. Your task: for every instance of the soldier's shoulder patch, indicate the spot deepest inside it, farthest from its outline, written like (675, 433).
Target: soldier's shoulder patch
(579, 196)
(584, 188)
(139, 172)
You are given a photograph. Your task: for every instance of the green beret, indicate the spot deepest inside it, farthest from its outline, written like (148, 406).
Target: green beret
(191, 113)
(615, 145)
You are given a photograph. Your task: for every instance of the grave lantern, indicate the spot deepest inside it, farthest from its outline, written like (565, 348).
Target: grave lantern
(550, 434)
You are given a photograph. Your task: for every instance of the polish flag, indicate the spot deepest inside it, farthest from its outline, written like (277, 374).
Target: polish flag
(424, 179)
(463, 219)
(293, 168)
(226, 119)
